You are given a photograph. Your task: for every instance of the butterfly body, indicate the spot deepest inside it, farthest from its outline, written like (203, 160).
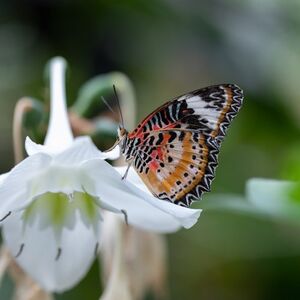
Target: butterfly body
(175, 148)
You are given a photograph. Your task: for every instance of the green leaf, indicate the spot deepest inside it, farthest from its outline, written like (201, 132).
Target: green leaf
(34, 117)
(89, 104)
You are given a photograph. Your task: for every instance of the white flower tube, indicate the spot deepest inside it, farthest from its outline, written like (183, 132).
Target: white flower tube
(59, 135)
(51, 202)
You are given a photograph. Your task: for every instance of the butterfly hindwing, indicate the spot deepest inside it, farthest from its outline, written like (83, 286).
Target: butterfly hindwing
(174, 168)
(175, 148)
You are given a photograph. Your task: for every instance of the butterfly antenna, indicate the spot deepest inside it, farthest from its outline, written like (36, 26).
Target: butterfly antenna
(119, 106)
(108, 106)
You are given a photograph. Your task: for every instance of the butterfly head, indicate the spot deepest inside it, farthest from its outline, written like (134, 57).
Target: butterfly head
(122, 136)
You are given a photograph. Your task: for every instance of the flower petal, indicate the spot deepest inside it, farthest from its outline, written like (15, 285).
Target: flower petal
(276, 197)
(112, 154)
(40, 251)
(2, 177)
(133, 177)
(59, 134)
(268, 194)
(33, 148)
(13, 191)
(82, 149)
(57, 178)
(143, 210)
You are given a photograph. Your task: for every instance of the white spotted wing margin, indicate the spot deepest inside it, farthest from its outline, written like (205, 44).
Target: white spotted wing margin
(225, 101)
(208, 110)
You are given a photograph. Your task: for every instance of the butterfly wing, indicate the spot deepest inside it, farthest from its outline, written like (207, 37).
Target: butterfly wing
(208, 110)
(175, 148)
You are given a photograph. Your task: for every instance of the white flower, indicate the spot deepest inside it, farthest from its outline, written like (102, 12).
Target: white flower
(51, 202)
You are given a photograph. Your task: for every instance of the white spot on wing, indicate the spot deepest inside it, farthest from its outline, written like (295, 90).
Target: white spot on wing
(183, 97)
(199, 107)
(196, 99)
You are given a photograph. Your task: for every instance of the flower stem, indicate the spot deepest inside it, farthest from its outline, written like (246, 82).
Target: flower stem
(4, 261)
(59, 135)
(118, 284)
(22, 106)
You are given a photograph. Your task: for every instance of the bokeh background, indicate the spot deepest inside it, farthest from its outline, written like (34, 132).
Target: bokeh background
(168, 47)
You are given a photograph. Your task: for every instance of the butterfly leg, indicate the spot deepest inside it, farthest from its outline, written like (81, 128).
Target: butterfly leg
(115, 210)
(124, 212)
(126, 172)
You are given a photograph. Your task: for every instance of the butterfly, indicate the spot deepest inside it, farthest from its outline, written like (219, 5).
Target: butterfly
(175, 148)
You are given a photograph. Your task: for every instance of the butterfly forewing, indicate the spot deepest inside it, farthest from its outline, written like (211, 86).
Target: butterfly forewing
(175, 148)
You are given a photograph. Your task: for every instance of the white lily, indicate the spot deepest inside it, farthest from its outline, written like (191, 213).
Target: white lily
(51, 202)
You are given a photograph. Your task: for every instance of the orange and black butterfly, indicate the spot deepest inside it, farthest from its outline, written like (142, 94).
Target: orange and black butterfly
(175, 148)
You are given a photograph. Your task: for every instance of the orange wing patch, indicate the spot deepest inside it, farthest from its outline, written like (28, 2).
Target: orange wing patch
(181, 165)
(225, 110)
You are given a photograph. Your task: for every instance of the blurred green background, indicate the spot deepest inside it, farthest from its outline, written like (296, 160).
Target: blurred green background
(168, 48)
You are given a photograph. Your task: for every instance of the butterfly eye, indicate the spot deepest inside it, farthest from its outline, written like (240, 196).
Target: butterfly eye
(121, 131)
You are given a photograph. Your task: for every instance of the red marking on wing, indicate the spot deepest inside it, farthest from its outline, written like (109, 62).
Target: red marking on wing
(153, 165)
(171, 126)
(138, 132)
(140, 135)
(158, 153)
